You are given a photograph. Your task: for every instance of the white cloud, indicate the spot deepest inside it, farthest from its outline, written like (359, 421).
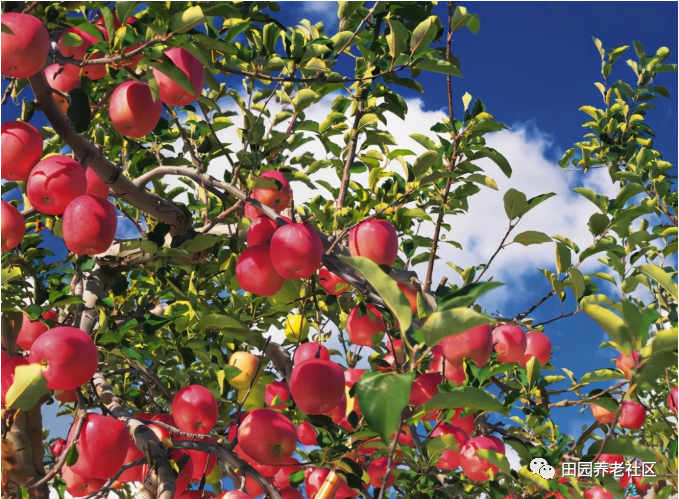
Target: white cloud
(324, 11)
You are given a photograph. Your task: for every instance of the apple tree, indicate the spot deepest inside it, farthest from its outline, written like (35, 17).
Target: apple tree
(383, 383)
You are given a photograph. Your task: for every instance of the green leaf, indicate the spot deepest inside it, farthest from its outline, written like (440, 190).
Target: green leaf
(125, 10)
(532, 237)
(424, 163)
(626, 446)
(183, 21)
(661, 277)
(345, 9)
(493, 457)
(423, 35)
(303, 99)
(444, 323)
(498, 159)
(339, 40)
(367, 120)
(471, 398)
(532, 371)
(614, 326)
(563, 258)
(397, 39)
(466, 295)
(598, 223)
(78, 111)
(71, 39)
(168, 68)
(72, 456)
(438, 66)
(533, 202)
(383, 396)
(599, 201)
(602, 375)
(6, 29)
(220, 322)
(665, 341)
(578, 282)
(524, 472)
(28, 388)
(515, 203)
(386, 287)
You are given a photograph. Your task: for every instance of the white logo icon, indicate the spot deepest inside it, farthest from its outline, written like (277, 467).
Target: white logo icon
(540, 467)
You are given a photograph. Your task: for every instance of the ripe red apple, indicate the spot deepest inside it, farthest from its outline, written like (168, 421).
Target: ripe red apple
(376, 470)
(352, 375)
(89, 225)
(424, 388)
(315, 479)
(78, 485)
(195, 409)
(601, 414)
(465, 423)
(306, 434)
(290, 493)
(277, 198)
(278, 390)
(632, 415)
(267, 436)
(597, 492)
(260, 231)
(8, 367)
(58, 446)
(296, 251)
(365, 329)
(63, 79)
(68, 356)
(374, 239)
(474, 467)
(234, 494)
(134, 474)
(509, 342)
(13, 226)
(202, 463)
(185, 464)
(252, 486)
(265, 470)
(332, 283)
(642, 488)
(539, 346)
(100, 436)
(317, 386)
(54, 182)
(171, 93)
(256, 273)
(610, 459)
(96, 71)
(132, 110)
(66, 396)
(450, 371)
(80, 49)
(672, 399)
(310, 350)
(339, 412)
(282, 477)
(628, 364)
(21, 149)
(196, 494)
(31, 330)
(450, 458)
(475, 344)
(95, 185)
(25, 49)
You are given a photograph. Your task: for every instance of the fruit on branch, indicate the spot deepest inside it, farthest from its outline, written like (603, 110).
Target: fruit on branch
(32, 330)
(315, 478)
(290, 493)
(597, 492)
(411, 295)
(95, 185)
(100, 436)
(377, 469)
(74, 43)
(267, 436)
(509, 342)
(63, 79)
(474, 344)
(601, 414)
(66, 396)
(78, 485)
(256, 272)
(396, 349)
(632, 415)
(628, 364)
(538, 345)
(7, 373)
(317, 386)
(58, 447)
(268, 471)
(310, 350)
(132, 110)
(185, 465)
(477, 468)
(451, 372)
(25, 45)
(277, 390)
(306, 434)
(248, 365)
(54, 182)
(195, 409)
(202, 463)
(296, 328)
(296, 251)
(339, 412)
(352, 375)
(365, 325)
(234, 494)
(68, 357)
(450, 458)
(13, 226)
(89, 225)
(282, 477)
(672, 399)
(276, 197)
(171, 93)
(424, 388)
(252, 486)
(134, 474)
(466, 423)
(374, 239)
(21, 149)
(332, 283)
(611, 460)
(260, 231)
(642, 488)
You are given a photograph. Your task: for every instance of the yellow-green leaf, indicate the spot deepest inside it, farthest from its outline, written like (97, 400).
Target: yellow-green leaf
(28, 388)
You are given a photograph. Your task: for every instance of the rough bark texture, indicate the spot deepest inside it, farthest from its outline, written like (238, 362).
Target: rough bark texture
(23, 450)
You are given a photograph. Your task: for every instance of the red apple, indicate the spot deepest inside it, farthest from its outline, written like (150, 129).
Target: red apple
(234, 494)
(642, 488)
(374, 239)
(317, 386)
(89, 225)
(96, 71)
(628, 364)
(597, 492)
(290, 493)
(78, 48)
(539, 346)
(54, 182)
(31, 330)
(267, 436)
(474, 467)
(611, 459)
(100, 436)
(365, 329)
(195, 409)
(310, 350)
(132, 110)
(282, 478)
(278, 390)
(315, 479)
(601, 414)
(410, 294)
(68, 356)
(296, 251)
(672, 399)
(58, 446)
(376, 470)
(21, 149)
(95, 185)
(66, 396)
(8, 367)
(450, 458)
(265, 470)
(196, 494)
(509, 342)
(134, 474)
(632, 415)
(339, 412)
(260, 231)
(185, 464)
(12, 225)
(450, 371)
(25, 45)
(63, 79)
(352, 375)
(332, 283)
(202, 463)
(475, 344)
(256, 273)
(252, 486)
(465, 423)
(171, 93)
(276, 198)
(424, 388)
(306, 434)
(79, 486)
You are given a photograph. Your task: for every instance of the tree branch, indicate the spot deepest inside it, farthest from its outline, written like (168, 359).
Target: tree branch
(351, 155)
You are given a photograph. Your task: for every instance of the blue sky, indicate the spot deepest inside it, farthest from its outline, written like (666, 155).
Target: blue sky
(533, 65)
